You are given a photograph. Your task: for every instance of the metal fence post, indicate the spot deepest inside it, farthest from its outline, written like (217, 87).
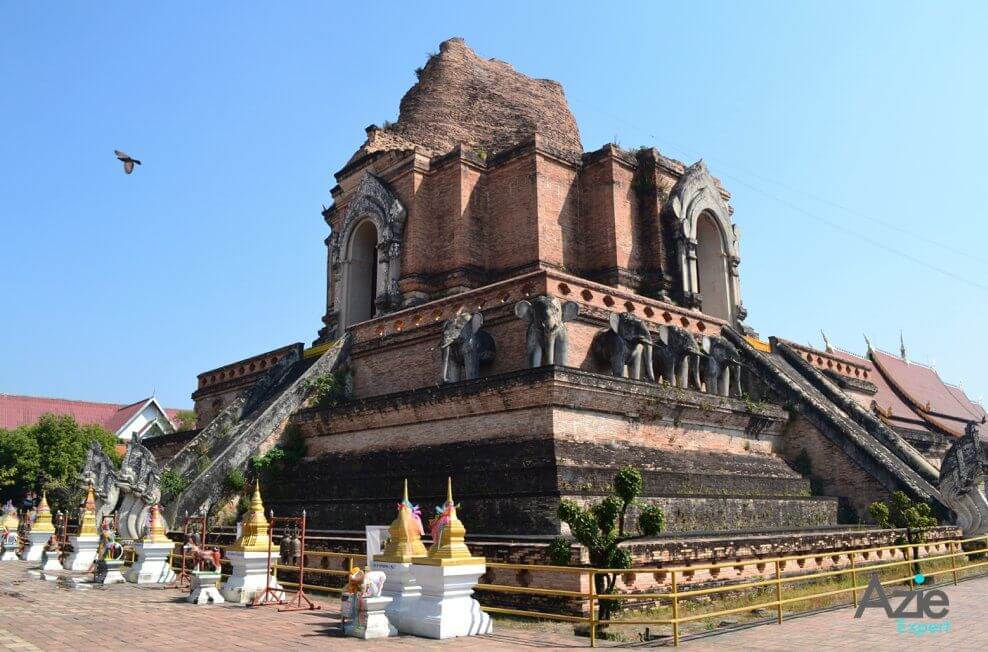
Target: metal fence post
(953, 560)
(593, 610)
(854, 580)
(675, 610)
(778, 590)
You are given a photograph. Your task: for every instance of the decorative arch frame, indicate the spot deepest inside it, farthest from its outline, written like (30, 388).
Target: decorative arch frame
(373, 201)
(696, 194)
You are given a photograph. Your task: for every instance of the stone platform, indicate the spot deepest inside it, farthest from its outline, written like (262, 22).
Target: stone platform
(518, 442)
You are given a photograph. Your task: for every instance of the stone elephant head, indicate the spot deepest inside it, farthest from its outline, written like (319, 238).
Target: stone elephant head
(722, 368)
(465, 347)
(626, 346)
(677, 354)
(546, 337)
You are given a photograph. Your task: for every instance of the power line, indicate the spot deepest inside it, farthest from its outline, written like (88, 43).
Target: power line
(720, 162)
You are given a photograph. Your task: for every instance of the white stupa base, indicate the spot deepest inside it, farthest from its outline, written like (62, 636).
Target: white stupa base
(151, 565)
(446, 608)
(9, 554)
(84, 553)
(51, 563)
(36, 545)
(248, 576)
(114, 574)
(372, 618)
(401, 586)
(204, 588)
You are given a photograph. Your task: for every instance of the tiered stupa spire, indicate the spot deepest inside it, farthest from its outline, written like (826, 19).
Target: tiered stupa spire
(87, 527)
(42, 522)
(156, 528)
(254, 536)
(448, 533)
(404, 534)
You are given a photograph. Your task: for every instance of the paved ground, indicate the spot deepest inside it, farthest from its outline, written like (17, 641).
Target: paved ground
(49, 616)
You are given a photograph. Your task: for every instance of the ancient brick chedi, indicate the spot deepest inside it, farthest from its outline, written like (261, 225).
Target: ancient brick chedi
(529, 317)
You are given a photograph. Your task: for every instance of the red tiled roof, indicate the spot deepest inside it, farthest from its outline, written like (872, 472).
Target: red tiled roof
(903, 415)
(24, 410)
(124, 414)
(944, 406)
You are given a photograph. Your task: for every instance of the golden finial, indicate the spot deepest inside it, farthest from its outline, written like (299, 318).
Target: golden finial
(88, 526)
(404, 535)
(448, 546)
(42, 522)
(156, 529)
(254, 534)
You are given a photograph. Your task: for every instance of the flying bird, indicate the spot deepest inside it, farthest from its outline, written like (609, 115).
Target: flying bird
(127, 161)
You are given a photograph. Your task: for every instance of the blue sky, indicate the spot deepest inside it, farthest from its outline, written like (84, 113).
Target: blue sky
(851, 136)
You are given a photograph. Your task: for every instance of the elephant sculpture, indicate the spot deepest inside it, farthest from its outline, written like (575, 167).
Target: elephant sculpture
(722, 371)
(626, 347)
(465, 347)
(677, 354)
(545, 338)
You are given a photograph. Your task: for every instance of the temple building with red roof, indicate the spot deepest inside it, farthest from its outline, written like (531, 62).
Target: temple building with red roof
(908, 396)
(144, 418)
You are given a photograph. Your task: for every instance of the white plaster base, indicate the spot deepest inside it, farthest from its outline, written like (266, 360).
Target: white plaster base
(372, 619)
(248, 576)
(204, 588)
(9, 545)
(113, 573)
(84, 553)
(51, 563)
(36, 545)
(151, 565)
(400, 585)
(9, 554)
(446, 609)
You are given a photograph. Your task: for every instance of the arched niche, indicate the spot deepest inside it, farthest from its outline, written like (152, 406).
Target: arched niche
(712, 269)
(361, 274)
(706, 245)
(365, 256)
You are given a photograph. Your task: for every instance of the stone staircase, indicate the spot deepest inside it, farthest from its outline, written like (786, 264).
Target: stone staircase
(873, 446)
(236, 434)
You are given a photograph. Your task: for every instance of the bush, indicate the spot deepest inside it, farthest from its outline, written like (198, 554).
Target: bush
(268, 461)
(172, 484)
(559, 552)
(329, 389)
(901, 512)
(186, 420)
(235, 481)
(651, 520)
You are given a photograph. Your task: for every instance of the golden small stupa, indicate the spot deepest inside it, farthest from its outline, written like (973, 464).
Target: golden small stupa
(404, 536)
(448, 548)
(42, 522)
(88, 526)
(156, 530)
(9, 519)
(254, 533)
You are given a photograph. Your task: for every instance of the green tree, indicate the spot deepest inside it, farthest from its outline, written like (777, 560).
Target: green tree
(20, 461)
(601, 528)
(186, 420)
(49, 455)
(329, 389)
(902, 513)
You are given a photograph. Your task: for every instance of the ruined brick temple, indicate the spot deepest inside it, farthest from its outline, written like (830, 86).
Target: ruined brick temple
(529, 317)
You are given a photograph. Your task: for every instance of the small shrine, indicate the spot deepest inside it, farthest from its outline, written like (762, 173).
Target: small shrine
(42, 530)
(9, 524)
(404, 544)
(151, 565)
(86, 543)
(252, 558)
(447, 574)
